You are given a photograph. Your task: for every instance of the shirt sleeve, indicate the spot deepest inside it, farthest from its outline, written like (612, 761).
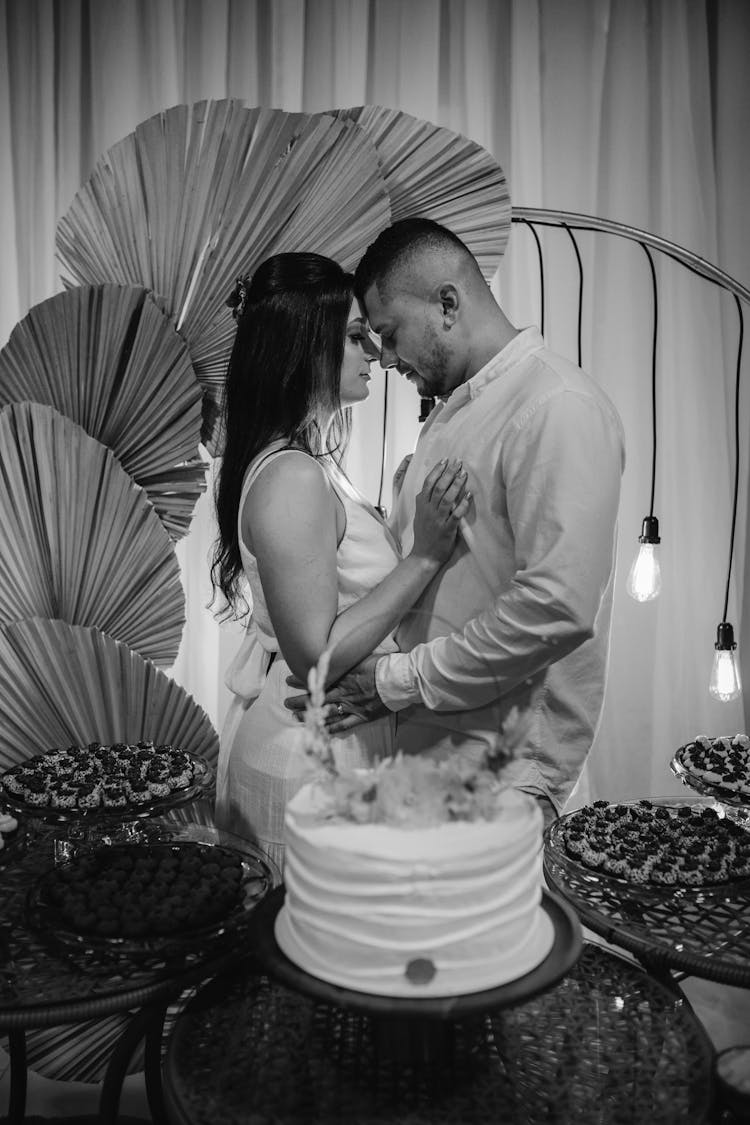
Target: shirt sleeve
(560, 466)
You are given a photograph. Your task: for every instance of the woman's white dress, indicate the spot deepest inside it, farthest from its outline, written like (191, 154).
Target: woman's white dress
(261, 765)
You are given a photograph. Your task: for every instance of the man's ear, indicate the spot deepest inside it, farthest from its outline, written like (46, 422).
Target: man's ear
(448, 297)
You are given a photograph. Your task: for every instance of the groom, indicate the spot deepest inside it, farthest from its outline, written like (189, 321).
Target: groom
(517, 622)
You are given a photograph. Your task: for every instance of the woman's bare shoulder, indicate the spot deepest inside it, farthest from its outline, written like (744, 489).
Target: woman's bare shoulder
(292, 469)
(290, 502)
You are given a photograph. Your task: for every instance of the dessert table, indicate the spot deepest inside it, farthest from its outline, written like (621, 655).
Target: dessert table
(607, 1043)
(45, 982)
(696, 931)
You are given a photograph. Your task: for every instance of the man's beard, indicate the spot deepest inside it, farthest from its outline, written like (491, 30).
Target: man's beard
(434, 360)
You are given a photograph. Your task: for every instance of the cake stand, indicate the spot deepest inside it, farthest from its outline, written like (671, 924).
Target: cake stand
(414, 1030)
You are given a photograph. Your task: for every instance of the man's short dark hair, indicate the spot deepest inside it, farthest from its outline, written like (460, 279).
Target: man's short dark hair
(396, 246)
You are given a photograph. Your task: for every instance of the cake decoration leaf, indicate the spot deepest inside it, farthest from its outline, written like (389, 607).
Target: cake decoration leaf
(317, 740)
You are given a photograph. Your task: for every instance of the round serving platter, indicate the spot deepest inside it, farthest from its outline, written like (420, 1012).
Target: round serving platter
(46, 918)
(201, 785)
(565, 951)
(556, 852)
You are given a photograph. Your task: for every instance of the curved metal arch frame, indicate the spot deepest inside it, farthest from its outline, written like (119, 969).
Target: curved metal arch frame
(570, 221)
(574, 221)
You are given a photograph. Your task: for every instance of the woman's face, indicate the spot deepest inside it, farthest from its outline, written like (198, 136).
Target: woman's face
(359, 352)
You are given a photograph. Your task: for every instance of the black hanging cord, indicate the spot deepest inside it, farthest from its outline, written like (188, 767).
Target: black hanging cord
(580, 290)
(653, 375)
(379, 504)
(532, 228)
(736, 452)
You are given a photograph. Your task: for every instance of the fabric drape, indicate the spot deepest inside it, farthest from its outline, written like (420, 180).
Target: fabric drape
(634, 110)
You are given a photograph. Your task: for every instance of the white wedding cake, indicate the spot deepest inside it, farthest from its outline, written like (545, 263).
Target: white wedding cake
(414, 911)
(415, 879)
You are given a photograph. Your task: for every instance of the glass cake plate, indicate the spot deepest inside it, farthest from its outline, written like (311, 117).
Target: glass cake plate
(566, 948)
(732, 798)
(45, 916)
(200, 786)
(556, 853)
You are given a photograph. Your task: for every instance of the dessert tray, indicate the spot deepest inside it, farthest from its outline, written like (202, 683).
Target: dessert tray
(123, 783)
(145, 901)
(717, 768)
(659, 844)
(565, 951)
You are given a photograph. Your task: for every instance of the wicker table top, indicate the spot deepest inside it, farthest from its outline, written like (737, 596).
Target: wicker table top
(43, 984)
(608, 1043)
(702, 932)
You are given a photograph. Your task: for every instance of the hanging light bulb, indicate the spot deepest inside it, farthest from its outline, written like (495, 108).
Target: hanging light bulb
(644, 580)
(725, 683)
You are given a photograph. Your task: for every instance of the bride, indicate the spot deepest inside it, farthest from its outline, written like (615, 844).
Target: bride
(319, 563)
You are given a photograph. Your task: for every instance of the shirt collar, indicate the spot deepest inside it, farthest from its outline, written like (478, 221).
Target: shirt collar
(526, 341)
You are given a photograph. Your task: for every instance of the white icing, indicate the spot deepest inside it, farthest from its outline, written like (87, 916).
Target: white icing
(365, 900)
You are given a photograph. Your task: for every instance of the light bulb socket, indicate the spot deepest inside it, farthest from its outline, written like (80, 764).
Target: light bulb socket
(725, 641)
(649, 531)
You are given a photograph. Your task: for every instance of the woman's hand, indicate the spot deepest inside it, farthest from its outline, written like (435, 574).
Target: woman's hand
(441, 503)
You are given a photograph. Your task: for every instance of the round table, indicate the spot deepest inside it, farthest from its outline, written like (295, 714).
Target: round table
(607, 1043)
(44, 985)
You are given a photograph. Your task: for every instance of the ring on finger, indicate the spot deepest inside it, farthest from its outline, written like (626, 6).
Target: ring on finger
(340, 710)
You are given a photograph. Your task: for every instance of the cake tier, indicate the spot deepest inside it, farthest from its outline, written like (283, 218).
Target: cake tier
(438, 911)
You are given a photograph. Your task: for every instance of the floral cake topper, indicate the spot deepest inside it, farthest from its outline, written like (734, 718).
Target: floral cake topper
(408, 790)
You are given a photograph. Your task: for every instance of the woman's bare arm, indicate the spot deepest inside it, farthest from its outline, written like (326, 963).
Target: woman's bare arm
(293, 522)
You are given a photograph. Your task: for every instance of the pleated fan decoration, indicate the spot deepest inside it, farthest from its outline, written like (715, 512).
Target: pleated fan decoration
(65, 685)
(110, 359)
(437, 174)
(78, 1052)
(200, 194)
(80, 541)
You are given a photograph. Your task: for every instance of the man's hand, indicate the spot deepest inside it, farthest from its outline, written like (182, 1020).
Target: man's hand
(352, 701)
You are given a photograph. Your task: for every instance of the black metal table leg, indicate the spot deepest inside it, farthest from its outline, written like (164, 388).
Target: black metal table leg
(18, 1076)
(152, 1065)
(117, 1067)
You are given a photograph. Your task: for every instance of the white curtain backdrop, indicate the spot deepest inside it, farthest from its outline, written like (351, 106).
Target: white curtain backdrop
(634, 110)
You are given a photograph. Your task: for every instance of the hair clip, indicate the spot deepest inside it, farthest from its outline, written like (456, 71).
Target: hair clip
(238, 298)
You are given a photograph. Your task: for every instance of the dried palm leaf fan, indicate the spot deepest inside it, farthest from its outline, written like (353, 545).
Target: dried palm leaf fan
(108, 358)
(200, 194)
(437, 174)
(80, 540)
(66, 685)
(77, 1052)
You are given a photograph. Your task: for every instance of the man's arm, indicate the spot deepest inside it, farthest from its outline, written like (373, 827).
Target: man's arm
(562, 471)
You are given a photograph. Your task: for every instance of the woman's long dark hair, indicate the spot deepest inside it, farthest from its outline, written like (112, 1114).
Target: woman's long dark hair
(283, 381)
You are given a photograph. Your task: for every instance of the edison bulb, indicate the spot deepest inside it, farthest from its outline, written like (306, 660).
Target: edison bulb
(644, 580)
(725, 675)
